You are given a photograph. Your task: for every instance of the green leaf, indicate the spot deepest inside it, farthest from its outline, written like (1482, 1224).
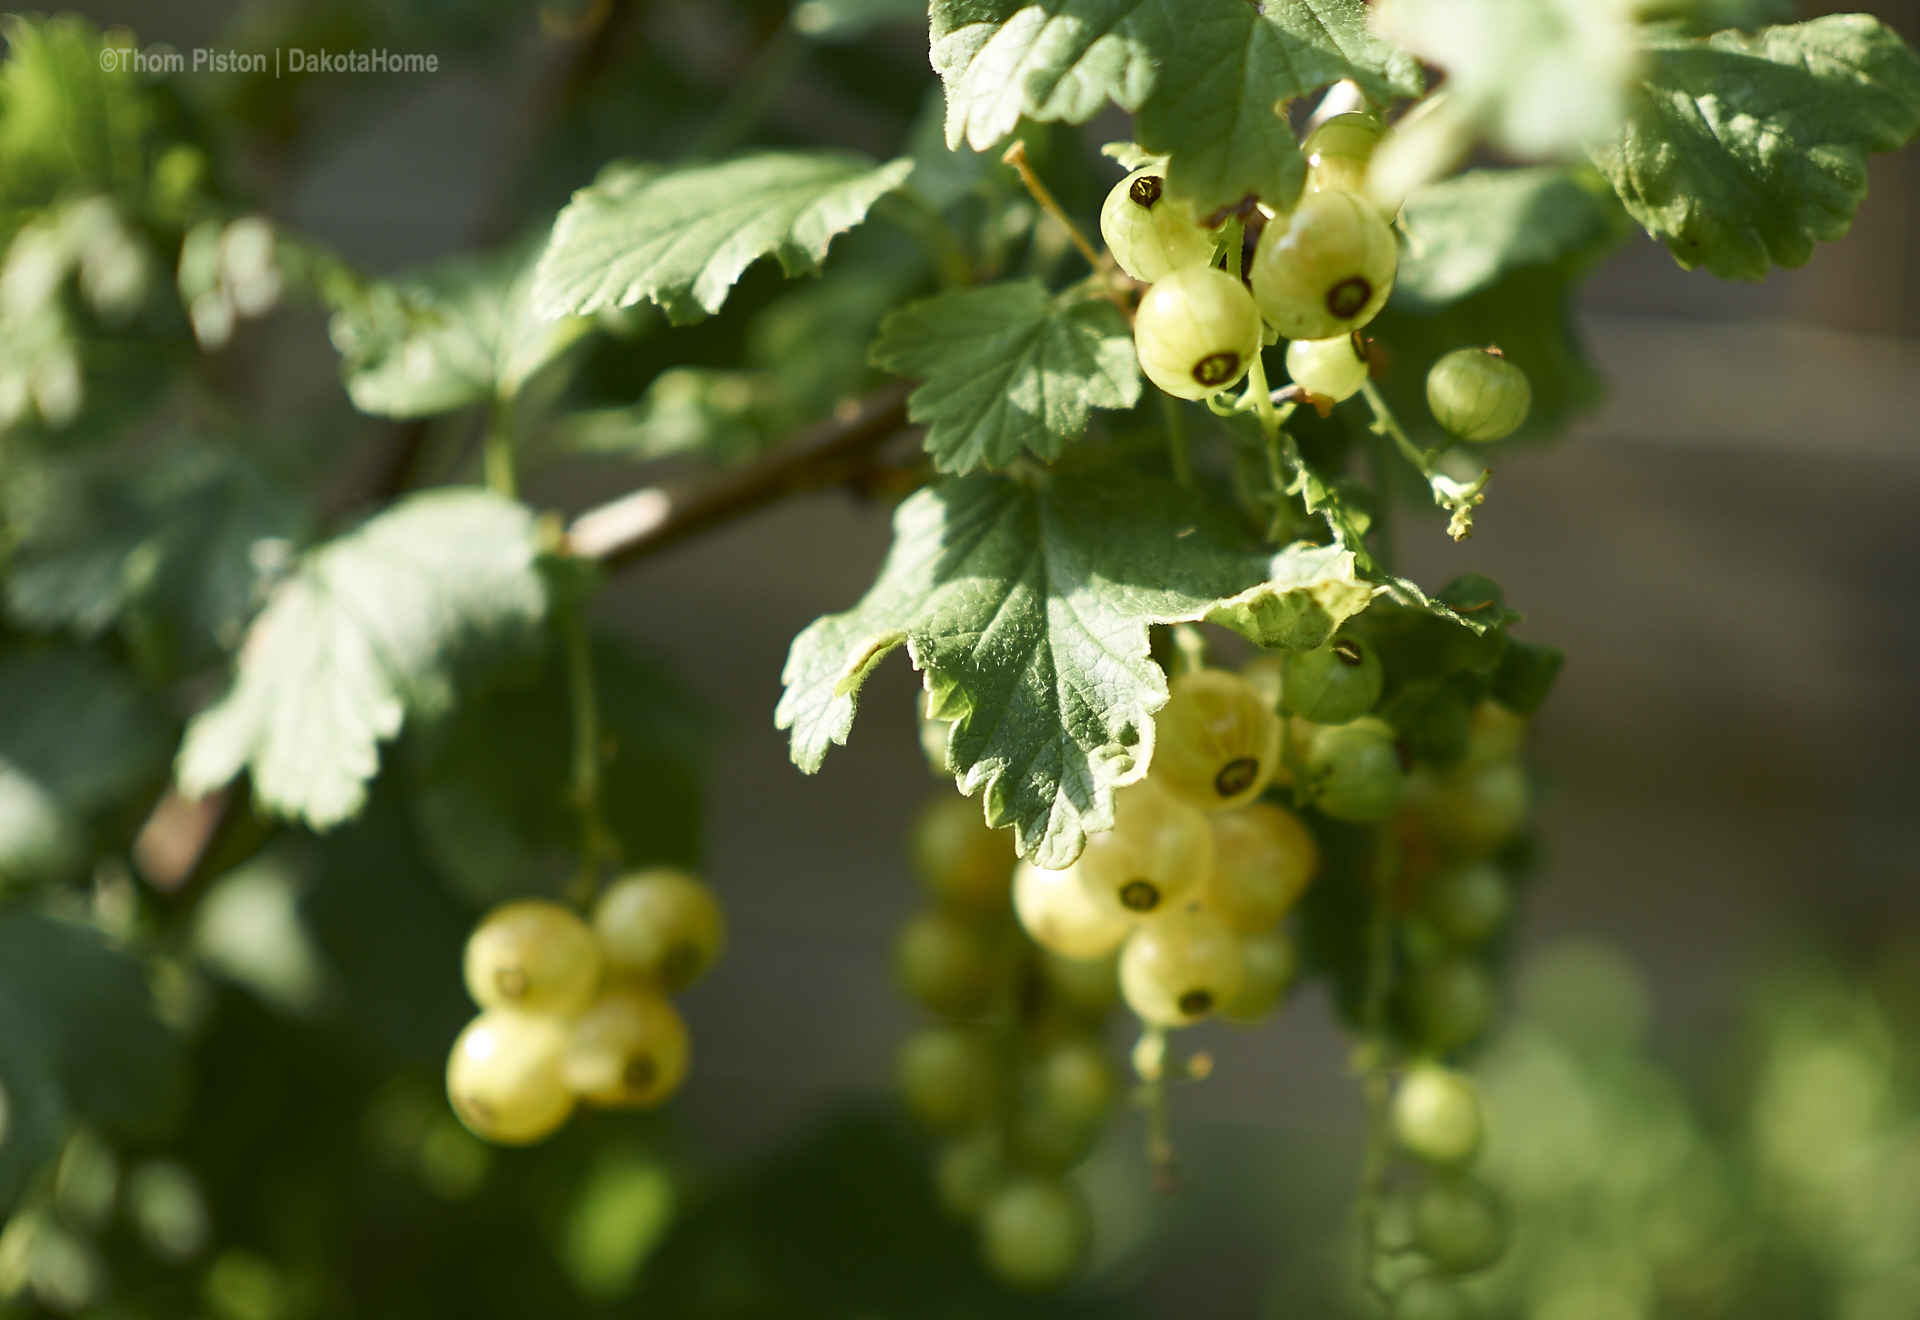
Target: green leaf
(1026, 609)
(75, 738)
(1208, 78)
(491, 784)
(1741, 151)
(374, 626)
(1008, 368)
(1310, 591)
(682, 237)
(1465, 232)
(1541, 78)
(726, 416)
(1526, 674)
(67, 122)
(176, 553)
(459, 333)
(81, 1043)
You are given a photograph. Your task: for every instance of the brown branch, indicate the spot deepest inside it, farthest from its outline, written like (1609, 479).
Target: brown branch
(655, 517)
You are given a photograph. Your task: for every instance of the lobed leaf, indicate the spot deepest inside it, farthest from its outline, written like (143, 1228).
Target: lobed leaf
(1742, 151)
(1008, 368)
(373, 626)
(1309, 592)
(682, 237)
(1465, 232)
(1026, 609)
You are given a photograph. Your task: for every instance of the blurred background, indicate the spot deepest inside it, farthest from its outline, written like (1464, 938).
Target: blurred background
(1728, 838)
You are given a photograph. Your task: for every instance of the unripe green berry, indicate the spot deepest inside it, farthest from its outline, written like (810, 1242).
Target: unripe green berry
(1449, 1003)
(1354, 770)
(629, 1050)
(662, 926)
(1458, 1222)
(1263, 858)
(1149, 233)
(966, 1172)
(1075, 1082)
(1216, 741)
(534, 956)
(1034, 1232)
(948, 1077)
(1436, 1116)
(1471, 810)
(1330, 368)
(948, 965)
(1331, 684)
(1431, 1299)
(1196, 332)
(1325, 269)
(1467, 904)
(1180, 966)
(1477, 395)
(967, 865)
(1268, 962)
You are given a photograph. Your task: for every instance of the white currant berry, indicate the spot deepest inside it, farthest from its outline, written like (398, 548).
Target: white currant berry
(1330, 368)
(503, 1076)
(1355, 770)
(1180, 966)
(1268, 964)
(1333, 683)
(1075, 1082)
(1338, 153)
(1263, 858)
(965, 863)
(1216, 741)
(948, 1076)
(1459, 1223)
(1478, 395)
(1196, 332)
(1034, 1232)
(1149, 233)
(1449, 1002)
(947, 964)
(532, 955)
(628, 1051)
(967, 1171)
(1325, 269)
(1436, 1116)
(661, 925)
(1157, 852)
(1467, 904)
(1471, 809)
(1061, 914)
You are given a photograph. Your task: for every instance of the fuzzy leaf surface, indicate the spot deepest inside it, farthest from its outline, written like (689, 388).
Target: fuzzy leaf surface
(1744, 150)
(373, 627)
(1008, 369)
(683, 237)
(1465, 232)
(459, 333)
(1026, 610)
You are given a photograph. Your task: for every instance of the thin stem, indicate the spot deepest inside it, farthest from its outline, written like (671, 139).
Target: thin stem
(1016, 156)
(1263, 398)
(1384, 550)
(1150, 1063)
(773, 67)
(1176, 439)
(1372, 1056)
(498, 451)
(1385, 423)
(585, 700)
(1458, 498)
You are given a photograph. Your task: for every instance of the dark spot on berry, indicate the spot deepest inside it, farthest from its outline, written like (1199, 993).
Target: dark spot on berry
(1140, 895)
(1346, 298)
(639, 1073)
(1145, 191)
(680, 965)
(511, 982)
(1195, 1002)
(1217, 368)
(1236, 777)
(1347, 653)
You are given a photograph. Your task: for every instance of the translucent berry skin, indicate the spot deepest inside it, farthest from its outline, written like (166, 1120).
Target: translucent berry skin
(629, 1051)
(1458, 1222)
(1467, 904)
(1472, 810)
(966, 865)
(1180, 966)
(948, 965)
(1477, 395)
(1436, 1116)
(1216, 741)
(661, 925)
(1331, 684)
(1355, 770)
(1338, 153)
(1263, 858)
(1196, 332)
(1431, 1299)
(1150, 234)
(1268, 963)
(534, 956)
(1158, 851)
(1034, 1232)
(1061, 914)
(1449, 1003)
(1326, 269)
(1330, 368)
(948, 1077)
(503, 1076)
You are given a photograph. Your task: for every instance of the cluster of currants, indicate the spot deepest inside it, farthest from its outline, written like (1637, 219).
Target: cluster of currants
(578, 1013)
(1317, 274)
(1442, 1222)
(1014, 1076)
